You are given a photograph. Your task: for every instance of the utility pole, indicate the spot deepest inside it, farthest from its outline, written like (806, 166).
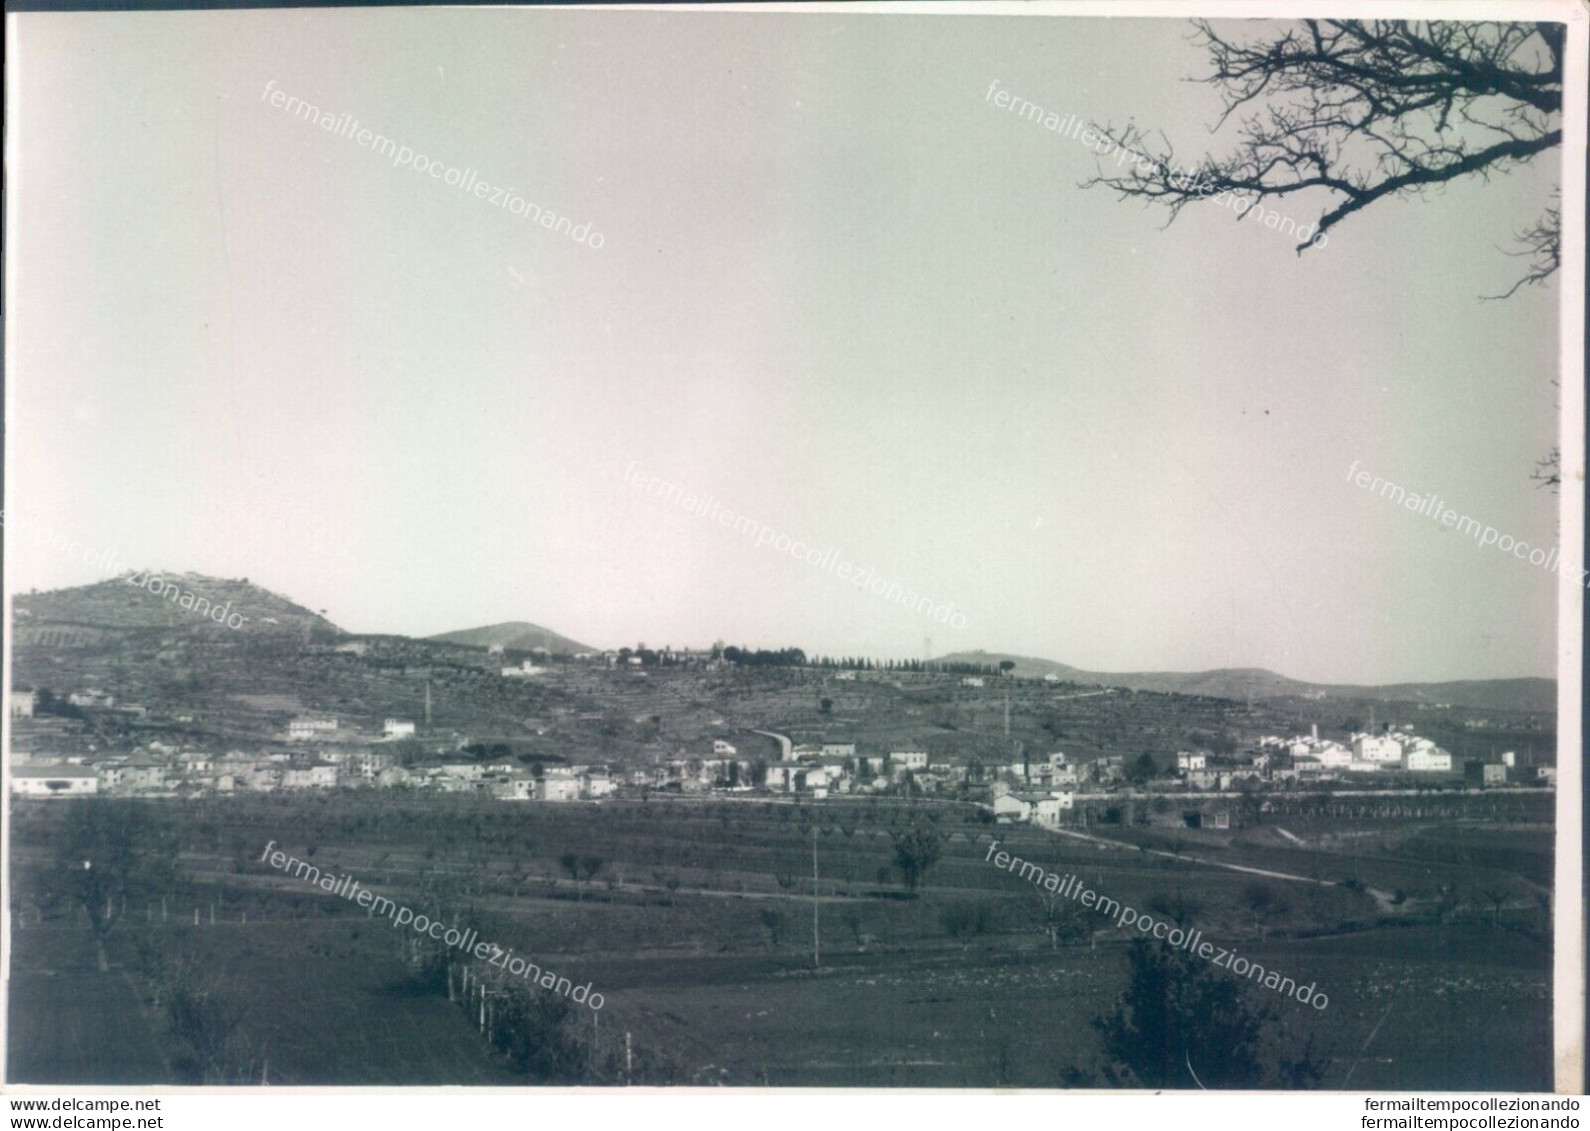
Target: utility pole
(817, 957)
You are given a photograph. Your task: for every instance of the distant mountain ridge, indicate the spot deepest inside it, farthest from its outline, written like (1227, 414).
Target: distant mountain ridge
(107, 608)
(1530, 693)
(514, 635)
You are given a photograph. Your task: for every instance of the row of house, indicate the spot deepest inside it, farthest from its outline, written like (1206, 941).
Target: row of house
(822, 768)
(159, 770)
(1314, 757)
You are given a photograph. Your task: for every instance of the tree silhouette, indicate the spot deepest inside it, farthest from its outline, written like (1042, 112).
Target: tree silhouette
(1142, 769)
(915, 852)
(108, 849)
(1059, 917)
(1363, 110)
(1183, 1024)
(1262, 901)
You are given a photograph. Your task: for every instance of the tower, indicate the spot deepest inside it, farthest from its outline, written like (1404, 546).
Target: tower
(427, 704)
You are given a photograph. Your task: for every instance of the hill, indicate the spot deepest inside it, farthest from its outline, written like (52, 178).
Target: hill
(516, 634)
(179, 601)
(1526, 694)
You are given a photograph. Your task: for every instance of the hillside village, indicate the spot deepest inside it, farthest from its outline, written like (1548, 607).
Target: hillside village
(121, 694)
(323, 751)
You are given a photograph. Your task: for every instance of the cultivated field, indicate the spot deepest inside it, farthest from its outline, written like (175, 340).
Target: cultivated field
(694, 919)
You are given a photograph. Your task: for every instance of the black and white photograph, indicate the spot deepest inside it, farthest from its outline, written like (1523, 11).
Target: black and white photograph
(880, 548)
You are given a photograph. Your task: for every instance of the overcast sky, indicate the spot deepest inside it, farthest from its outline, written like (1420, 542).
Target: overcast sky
(838, 289)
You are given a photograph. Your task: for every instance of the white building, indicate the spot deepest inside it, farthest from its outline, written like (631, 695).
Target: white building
(839, 750)
(1385, 748)
(1335, 756)
(517, 786)
(1047, 810)
(972, 681)
(908, 760)
(1066, 797)
(22, 704)
(1186, 761)
(722, 749)
(398, 728)
(53, 781)
(316, 776)
(1013, 807)
(311, 728)
(1430, 759)
(523, 671)
(559, 789)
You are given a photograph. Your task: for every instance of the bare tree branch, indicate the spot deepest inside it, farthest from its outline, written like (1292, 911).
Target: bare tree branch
(1548, 470)
(1360, 111)
(1541, 243)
